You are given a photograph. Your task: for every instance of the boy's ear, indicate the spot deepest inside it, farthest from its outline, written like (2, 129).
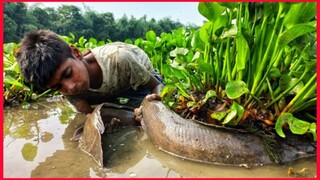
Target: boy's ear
(75, 51)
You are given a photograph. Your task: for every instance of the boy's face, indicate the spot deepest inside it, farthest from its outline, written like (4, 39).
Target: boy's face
(70, 78)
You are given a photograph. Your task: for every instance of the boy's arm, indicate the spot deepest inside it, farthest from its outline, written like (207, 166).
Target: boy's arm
(80, 103)
(155, 86)
(83, 106)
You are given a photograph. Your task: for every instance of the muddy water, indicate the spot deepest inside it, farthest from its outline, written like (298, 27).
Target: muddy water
(37, 144)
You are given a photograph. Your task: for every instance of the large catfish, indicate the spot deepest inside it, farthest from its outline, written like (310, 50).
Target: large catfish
(185, 138)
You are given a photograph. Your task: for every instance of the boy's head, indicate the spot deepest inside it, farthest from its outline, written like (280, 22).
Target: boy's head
(40, 54)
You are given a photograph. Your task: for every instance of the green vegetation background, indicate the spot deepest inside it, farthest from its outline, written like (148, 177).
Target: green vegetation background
(20, 18)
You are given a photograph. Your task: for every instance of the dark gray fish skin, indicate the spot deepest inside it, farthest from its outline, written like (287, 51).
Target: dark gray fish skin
(189, 140)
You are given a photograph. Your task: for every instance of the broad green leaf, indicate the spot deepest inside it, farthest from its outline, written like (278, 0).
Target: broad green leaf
(210, 94)
(151, 36)
(230, 5)
(284, 82)
(206, 67)
(9, 47)
(242, 48)
(211, 10)
(182, 90)
(220, 23)
(128, 41)
(29, 151)
(219, 115)
(297, 88)
(298, 126)
(94, 41)
(232, 114)
(300, 13)
(240, 111)
(229, 33)
(196, 42)
(205, 32)
(282, 120)
(235, 89)
(81, 41)
(12, 81)
(179, 51)
(72, 36)
(294, 32)
(274, 72)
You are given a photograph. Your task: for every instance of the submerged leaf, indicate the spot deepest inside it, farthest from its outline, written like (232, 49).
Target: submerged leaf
(29, 151)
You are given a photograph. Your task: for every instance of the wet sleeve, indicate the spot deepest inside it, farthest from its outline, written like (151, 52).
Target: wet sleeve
(137, 73)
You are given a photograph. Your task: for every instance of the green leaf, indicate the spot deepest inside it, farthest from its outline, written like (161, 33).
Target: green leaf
(300, 13)
(205, 32)
(298, 126)
(231, 32)
(179, 51)
(94, 41)
(182, 90)
(9, 47)
(12, 81)
(151, 36)
(282, 120)
(274, 72)
(294, 32)
(230, 5)
(209, 94)
(81, 41)
(219, 115)
(297, 88)
(232, 114)
(211, 10)
(235, 89)
(206, 67)
(242, 48)
(240, 111)
(29, 151)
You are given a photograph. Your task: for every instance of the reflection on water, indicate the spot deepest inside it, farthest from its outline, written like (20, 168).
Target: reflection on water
(37, 144)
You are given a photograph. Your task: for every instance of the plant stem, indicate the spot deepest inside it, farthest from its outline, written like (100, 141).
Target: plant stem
(299, 95)
(287, 90)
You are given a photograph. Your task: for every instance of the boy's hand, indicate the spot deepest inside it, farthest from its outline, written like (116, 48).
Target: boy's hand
(138, 111)
(138, 114)
(152, 97)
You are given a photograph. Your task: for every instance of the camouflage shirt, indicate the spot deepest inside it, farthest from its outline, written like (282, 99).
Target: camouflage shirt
(124, 66)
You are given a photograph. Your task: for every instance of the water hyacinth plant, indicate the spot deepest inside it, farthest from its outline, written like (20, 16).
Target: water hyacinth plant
(252, 61)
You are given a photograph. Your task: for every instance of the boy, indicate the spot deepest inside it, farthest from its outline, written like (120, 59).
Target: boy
(102, 74)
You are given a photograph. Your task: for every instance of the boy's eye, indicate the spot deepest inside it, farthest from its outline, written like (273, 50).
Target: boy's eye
(68, 74)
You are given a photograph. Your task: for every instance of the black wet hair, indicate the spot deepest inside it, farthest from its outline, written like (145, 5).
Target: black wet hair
(40, 54)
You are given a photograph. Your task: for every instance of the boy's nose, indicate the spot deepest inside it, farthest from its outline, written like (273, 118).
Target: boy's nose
(71, 87)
